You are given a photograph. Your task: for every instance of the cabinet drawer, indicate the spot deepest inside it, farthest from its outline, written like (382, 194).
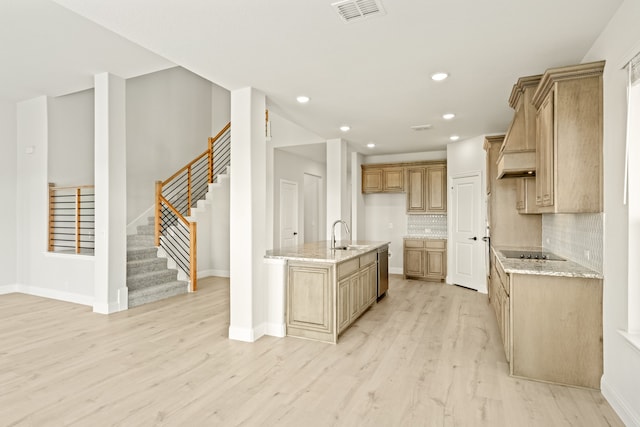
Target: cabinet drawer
(367, 259)
(434, 244)
(413, 243)
(348, 267)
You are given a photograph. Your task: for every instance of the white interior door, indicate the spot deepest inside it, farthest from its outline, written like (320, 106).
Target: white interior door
(288, 213)
(467, 244)
(312, 190)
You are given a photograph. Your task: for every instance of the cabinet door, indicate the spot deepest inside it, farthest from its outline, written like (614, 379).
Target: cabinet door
(371, 180)
(309, 296)
(354, 296)
(393, 180)
(343, 307)
(435, 264)
(363, 292)
(414, 262)
(506, 326)
(544, 153)
(521, 194)
(372, 286)
(416, 190)
(436, 189)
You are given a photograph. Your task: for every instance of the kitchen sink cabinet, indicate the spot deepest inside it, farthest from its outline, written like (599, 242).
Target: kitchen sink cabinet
(569, 139)
(356, 291)
(425, 259)
(427, 188)
(382, 179)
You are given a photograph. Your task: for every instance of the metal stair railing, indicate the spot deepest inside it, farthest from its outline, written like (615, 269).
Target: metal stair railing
(179, 193)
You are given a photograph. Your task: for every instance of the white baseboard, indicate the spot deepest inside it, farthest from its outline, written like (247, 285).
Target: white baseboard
(216, 273)
(276, 330)
(246, 334)
(629, 416)
(47, 293)
(395, 270)
(9, 289)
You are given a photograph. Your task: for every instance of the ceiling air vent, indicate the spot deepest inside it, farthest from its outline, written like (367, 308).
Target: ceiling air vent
(352, 10)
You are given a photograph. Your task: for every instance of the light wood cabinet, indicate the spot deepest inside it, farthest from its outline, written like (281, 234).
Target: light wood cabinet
(427, 189)
(526, 196)
(569, 139)
(357, 291)
(425, 259)
(382, 179)
(551, 327)
(307, 285)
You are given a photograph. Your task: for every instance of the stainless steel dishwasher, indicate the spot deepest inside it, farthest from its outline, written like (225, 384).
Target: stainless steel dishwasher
(383, 271)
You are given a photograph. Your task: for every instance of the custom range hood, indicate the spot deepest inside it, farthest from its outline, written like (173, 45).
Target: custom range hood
(517, 156)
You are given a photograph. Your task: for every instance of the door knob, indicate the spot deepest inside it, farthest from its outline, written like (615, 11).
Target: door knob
(295, 233)
(473, 238)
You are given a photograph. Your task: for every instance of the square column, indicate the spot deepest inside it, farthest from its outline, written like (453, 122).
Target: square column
(248, 219)
(111, 293)
(338, 198)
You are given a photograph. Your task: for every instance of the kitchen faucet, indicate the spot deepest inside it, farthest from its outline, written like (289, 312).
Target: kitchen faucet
(333, 232)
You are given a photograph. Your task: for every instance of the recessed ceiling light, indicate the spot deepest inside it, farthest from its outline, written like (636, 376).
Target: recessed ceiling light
(448, 116)
(302, 99)
(454, 137)
(371, 145)
(439, 76)
(345, 128)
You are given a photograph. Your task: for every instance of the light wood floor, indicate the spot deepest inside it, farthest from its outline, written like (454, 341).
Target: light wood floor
(428, 354)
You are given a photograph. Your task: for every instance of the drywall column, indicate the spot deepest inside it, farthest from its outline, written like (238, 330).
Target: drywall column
(8, 187)
(357, 198)
(338, 202)
(248, 293)
(111, 195)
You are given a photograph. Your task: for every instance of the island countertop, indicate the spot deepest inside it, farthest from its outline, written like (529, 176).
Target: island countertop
(322, 252)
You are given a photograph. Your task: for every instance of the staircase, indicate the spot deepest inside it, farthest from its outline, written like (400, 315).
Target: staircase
(148, 277)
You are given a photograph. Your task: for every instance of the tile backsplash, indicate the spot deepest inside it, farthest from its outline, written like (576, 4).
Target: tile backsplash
(577, 237)
(427, 225)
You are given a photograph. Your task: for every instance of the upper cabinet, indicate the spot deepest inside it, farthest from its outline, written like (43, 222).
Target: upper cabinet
(382, 179)
(569, 139)
(518, 152)
(427, 188)
(424, 182)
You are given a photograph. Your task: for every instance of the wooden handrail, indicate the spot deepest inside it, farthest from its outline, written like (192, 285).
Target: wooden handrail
(70, 187)
(185, 167)
(174, 210)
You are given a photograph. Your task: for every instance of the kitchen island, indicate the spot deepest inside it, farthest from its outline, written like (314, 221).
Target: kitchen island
(326, 290)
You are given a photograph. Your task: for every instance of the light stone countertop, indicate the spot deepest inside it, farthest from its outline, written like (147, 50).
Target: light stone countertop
(542, 267)
(322, 252)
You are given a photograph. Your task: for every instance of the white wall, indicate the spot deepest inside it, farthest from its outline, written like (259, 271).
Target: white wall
(385, 215)
(169, 119)
(621, 380)
(65, 277)
(8, 184)
(71, 134)
(220, 108)
(291, 167)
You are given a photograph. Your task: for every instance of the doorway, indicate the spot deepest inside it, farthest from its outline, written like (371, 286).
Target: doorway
(288, 213)
(312, 205)
(467, 245)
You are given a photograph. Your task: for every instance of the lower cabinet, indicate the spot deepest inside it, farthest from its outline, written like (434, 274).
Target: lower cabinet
(551, 326)
(425, 259)
(356, 292)
(323, 299)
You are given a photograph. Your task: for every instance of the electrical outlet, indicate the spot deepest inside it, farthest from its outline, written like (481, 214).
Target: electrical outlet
(390, 225)
(427, 230)
(587, 254)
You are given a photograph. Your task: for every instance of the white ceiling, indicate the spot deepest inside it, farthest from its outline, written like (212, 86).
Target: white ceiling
(372, 74)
